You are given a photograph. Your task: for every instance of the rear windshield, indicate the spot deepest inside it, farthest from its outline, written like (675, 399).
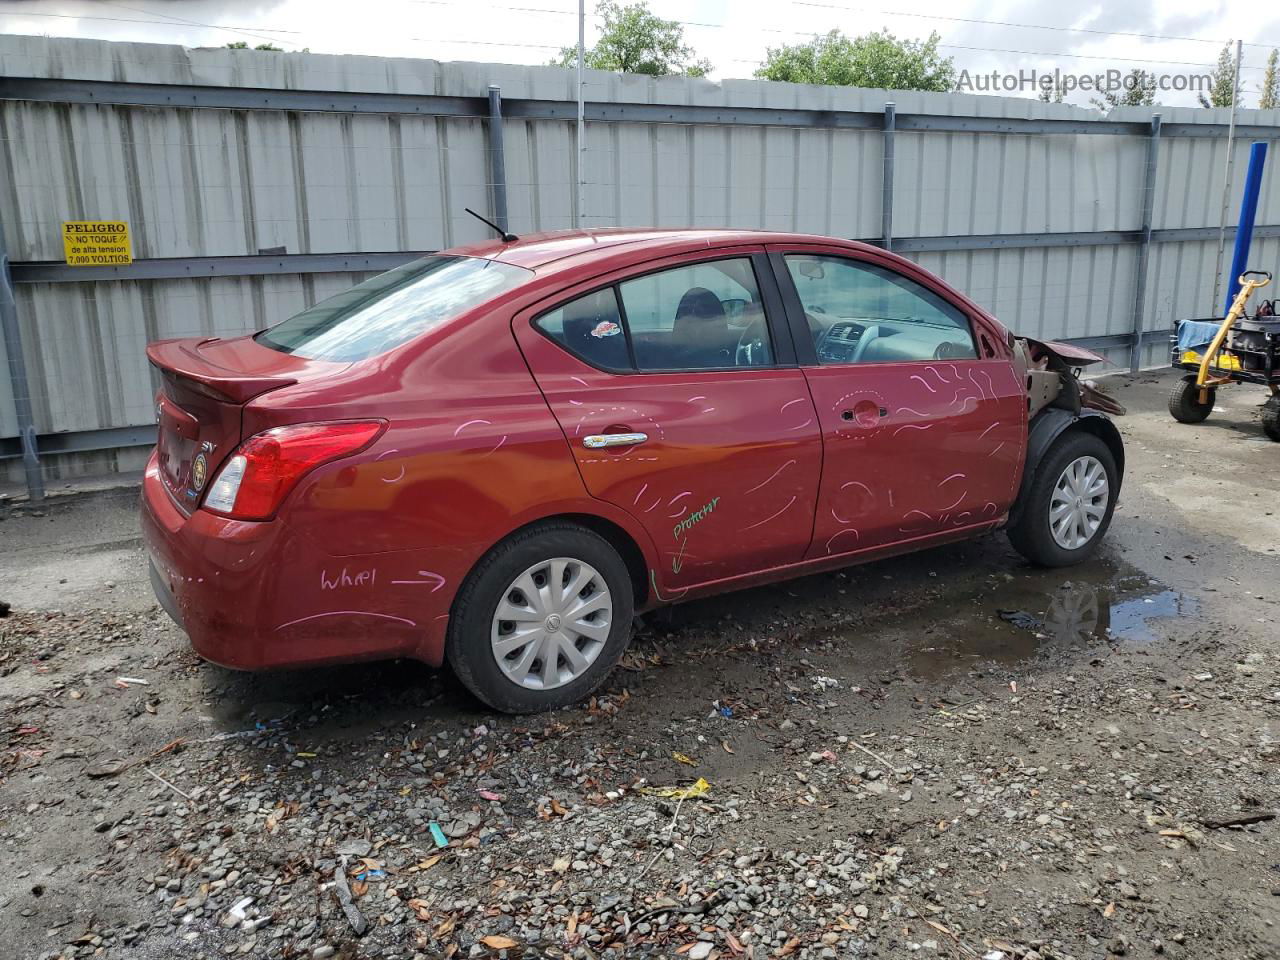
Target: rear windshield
(392, 308)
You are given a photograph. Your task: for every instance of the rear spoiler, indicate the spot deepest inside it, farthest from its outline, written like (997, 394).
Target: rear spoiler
(179, 358)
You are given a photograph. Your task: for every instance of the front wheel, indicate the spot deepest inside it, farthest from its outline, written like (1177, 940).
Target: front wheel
(1184, 402)
(1070, 502)
(542, 619)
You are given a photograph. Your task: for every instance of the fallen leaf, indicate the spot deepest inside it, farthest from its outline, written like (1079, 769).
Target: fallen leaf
(1109, 910)
(788, 948)
(495, 942)
(420, 908)
(725, 745)
(573, 924)
(426, 864)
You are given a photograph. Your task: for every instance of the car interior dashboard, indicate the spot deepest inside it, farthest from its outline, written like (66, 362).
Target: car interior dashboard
(867, 340)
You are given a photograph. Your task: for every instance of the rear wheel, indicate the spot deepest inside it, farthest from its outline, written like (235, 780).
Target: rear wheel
(1184, 401)
(1271, 418)
(1070, 502)
(542, 619)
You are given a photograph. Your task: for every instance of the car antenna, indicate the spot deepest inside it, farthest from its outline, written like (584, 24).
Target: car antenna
(506, 237)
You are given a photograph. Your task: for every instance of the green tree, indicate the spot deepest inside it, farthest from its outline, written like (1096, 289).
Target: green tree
(1052, 94)
(635, 40)
(241, 45)
(877, 60)
(1269, 97)
(1139, 90)
(1222, 81)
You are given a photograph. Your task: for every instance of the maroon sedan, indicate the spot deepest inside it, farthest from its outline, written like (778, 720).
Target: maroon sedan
(496, 455)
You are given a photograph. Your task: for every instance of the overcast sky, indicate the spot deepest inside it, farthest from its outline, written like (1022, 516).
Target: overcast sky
(733, 34)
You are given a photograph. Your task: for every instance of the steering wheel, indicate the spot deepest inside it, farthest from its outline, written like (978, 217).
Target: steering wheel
(753, 349)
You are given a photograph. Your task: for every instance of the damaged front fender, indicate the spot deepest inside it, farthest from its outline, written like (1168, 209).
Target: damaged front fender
(1052, 380)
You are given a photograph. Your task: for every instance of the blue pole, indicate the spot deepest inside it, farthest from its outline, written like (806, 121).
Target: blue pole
(1248, 209)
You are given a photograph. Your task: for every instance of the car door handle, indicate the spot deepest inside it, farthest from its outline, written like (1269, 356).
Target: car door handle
(598, 440)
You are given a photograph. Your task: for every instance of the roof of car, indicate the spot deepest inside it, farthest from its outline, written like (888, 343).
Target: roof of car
(540, 249)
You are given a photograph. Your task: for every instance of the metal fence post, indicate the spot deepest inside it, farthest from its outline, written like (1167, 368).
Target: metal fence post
(1144, 251)
(886, 181)
(12, 335)
(497, 159)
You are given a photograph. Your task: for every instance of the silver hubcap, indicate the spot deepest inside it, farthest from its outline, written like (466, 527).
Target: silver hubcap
(1079, 503)
(551, 623)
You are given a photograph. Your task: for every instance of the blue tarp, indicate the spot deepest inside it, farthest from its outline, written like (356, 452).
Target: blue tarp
(1196, 334)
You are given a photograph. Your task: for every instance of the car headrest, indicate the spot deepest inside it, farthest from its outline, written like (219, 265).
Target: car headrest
(700, 317)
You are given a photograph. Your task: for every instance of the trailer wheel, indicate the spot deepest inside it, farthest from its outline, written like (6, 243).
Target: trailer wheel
(1184, 401)
(1271, 418)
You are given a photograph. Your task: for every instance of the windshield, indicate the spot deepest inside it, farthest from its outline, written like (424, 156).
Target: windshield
(392, 308)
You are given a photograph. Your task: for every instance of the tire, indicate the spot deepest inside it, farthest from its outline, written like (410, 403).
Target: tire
(1184, 401)
(1033, 534)
(1271, 418)
(520, 683)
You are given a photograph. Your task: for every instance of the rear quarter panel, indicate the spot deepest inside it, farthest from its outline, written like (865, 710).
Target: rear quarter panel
(471, 453)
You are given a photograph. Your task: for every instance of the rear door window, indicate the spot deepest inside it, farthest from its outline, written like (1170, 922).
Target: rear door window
(392, 308)
(701, 316)
(591, 329)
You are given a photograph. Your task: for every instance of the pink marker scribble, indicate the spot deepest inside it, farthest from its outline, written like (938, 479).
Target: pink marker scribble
(695, 399)
(679, 496)
(790, 402)
(801, 426)
(683, 511)
(772, 476)
(581, 381)
(640, 494)
(920, 512)
(940, 377)
(775, 516)
(997, 449)
(954, 476)
(469, 423)
(912, 426)
(837, 518)
(496, 446)
(988, 430)
(857, 483)
(840, 533)
(429, 578)
(347, 613)
(923, 382)
(952, 506)
(399, 476)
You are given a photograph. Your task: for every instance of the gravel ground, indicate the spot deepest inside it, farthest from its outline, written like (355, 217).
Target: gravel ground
(871, 763)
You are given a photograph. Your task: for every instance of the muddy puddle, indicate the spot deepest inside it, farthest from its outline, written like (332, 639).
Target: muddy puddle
(1104, 603)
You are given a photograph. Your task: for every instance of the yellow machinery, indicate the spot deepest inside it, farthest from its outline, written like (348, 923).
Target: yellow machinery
(1244, 350)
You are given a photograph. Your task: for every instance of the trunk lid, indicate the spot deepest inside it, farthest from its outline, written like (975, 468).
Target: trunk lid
(206, 383)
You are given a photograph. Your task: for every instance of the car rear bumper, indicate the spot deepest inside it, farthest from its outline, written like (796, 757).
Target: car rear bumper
(254, 595)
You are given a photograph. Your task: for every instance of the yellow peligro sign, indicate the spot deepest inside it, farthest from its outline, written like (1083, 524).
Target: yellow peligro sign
(96, 243)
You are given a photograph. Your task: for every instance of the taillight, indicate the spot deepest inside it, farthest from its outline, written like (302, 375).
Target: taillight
(254, 482)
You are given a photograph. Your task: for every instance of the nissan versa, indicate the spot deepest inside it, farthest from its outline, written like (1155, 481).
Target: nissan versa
(494, 456)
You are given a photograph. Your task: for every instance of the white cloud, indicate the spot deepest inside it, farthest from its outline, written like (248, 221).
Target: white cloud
(733, 34)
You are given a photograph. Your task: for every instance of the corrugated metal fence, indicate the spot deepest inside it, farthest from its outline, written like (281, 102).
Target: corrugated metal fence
(255, 183)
